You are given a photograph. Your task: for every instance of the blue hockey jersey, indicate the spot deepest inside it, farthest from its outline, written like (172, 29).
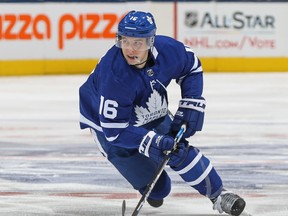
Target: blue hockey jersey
(119, 99)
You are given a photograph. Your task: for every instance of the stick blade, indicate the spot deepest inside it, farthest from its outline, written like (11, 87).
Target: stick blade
(123, 207)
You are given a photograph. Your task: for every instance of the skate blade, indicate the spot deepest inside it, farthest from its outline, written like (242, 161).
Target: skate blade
(123, 207)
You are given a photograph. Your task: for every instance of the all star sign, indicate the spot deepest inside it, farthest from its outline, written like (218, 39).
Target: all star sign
(233, 29)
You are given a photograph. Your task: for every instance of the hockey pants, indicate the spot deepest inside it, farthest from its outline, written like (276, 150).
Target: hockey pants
(138, 170)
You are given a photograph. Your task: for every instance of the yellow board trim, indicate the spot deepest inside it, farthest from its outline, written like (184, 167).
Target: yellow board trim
(47, 67)
(226, 64)
(85, 66)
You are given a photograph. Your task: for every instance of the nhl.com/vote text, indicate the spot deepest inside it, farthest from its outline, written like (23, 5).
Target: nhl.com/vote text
(245, 41)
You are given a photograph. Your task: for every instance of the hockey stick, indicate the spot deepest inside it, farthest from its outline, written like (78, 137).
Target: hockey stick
(156, 176)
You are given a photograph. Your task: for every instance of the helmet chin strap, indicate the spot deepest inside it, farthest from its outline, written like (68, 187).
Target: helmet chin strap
(139, 62)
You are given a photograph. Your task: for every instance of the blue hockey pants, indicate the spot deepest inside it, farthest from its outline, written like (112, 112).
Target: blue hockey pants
(138, 170)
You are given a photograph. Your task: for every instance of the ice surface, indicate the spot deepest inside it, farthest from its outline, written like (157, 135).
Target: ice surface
(48, 166)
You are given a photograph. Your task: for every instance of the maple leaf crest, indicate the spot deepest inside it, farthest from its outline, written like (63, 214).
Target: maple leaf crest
(156, 108)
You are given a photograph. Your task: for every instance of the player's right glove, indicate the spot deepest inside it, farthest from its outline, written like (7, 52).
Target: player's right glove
(153, 145)
(191, 113)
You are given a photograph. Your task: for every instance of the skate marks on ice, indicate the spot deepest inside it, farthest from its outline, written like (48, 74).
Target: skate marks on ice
(74, 179)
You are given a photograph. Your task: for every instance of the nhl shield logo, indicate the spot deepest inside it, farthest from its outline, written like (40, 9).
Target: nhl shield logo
(191, 19)
(150, 72)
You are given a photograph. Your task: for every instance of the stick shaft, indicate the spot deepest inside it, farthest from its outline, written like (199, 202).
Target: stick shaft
(157, 174)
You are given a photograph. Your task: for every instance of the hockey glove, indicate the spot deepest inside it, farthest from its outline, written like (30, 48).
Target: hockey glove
(191, 113)
(153, 145)
(178, 155)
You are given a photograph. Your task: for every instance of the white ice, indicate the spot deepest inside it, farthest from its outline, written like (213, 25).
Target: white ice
(48, 166)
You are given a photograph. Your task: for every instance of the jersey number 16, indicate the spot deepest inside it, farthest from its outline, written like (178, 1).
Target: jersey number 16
(108, 108)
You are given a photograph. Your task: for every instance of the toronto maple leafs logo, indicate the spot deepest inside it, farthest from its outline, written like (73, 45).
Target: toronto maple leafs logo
(156, 108)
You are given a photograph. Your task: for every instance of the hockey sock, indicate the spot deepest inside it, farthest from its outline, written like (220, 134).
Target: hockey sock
(199, 173)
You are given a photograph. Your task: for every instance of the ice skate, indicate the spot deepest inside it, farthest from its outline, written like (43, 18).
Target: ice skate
(229, 203)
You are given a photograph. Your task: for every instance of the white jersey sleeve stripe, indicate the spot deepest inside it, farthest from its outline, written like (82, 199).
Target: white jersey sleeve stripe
(114, 125)
(195, 63)
(188, 49)
(199, 69)
(196, 67)
(98, 128)
(86, 121)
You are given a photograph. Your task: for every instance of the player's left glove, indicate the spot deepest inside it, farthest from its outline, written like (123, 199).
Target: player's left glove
(191, 113)
(153, 145)
(178, 155)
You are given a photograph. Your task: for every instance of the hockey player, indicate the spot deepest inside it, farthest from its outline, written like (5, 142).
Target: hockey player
(125, 104)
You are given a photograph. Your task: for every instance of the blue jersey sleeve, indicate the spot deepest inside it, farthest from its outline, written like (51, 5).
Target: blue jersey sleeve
(191, 81)
(184, 65)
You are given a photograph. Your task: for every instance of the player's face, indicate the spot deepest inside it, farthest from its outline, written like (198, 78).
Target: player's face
(135, 50)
